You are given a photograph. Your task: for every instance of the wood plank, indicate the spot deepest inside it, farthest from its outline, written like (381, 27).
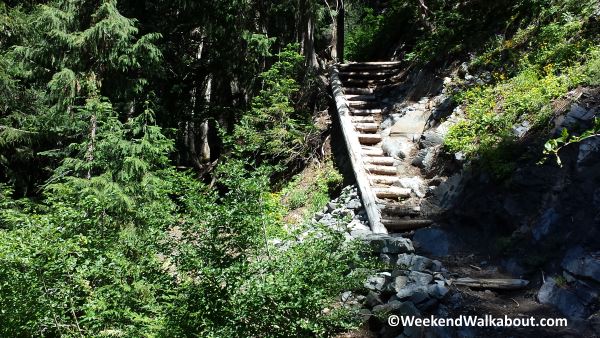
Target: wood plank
(363, 104)
(366, 127)
(363, 119)
(362, 112)
(380, 160)
(360, 97)
(406, 224)
(358, 91)
(369, 139)
(381, 170)
(385, 180)
(392, 192)
(354, 150)
(402, 210)
(372, 151)
(495, 283)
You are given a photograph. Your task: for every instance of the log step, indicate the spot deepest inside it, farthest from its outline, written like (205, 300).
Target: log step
(359, 97)
(385, 180)
(372, 111)
(366, 127)
(392, 192)
(363, 119)
(380, 160)
(351, 82)
(369, 139)
(372, 151)
(372, 75)
(400, 210)
(381, 170)
(405, 224)
(358, 91)
(370, 66)
(363, 104)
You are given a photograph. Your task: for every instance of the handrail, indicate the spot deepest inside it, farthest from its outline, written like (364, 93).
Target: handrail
(354, 149)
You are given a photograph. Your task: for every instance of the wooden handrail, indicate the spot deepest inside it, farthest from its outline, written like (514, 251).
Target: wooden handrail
(354, 150)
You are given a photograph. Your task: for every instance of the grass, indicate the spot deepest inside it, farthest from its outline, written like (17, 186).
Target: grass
(310, 191)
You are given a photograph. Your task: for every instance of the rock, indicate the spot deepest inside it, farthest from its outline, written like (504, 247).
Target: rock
(418, 297)
(588, 150)
(318, 216)
(583, 264)
(521, 129)
(372, 300)
(414, 262)
(346, 296)
(433, 241)
(331, 206)
(420, 278)
(410, 289)
(387, 244)
(545, 224)
(415, 183)
(576, 115)
(388, 259)
(400, 283)
(360, 233)
(438, 291)
(388, 308)
(573, 302)
(419, 158)
(431, 138)
(463, 70)
(354, 204)
(408, 309)
(427, 305)
(443, 109)
(396, 148)
(378, 282)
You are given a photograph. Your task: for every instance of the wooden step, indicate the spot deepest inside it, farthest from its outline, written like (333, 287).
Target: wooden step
(392, 192)
(362, 83)
(358, 91)
(380, 160)
(363, 119)
(384, 180)
(357, 66)
(402, 210)
(359, 111)
(366, 127)
(372, 151)
(405, 224)
(363, 104)
(359, 97)
(369, 139)
(381, 170)
(372, 75)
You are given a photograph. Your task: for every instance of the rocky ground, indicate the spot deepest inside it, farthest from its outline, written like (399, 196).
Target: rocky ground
(540, 225)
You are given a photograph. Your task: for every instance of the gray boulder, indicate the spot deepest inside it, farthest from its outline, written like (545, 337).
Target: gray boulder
(414, 262)
(378, 282)
(573, 301)
(382, 243)
(583, 264)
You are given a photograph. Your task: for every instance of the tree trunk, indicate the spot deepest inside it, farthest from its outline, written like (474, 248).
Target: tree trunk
(341, 12)
(308, 36)
(90, 151)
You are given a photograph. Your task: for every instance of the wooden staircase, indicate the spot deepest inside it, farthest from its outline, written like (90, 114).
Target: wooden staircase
(355, 87)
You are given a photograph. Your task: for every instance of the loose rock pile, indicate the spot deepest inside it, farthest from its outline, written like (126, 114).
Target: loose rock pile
(411, 285)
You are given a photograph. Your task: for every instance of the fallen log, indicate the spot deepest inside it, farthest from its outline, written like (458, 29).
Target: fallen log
(494, 283)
